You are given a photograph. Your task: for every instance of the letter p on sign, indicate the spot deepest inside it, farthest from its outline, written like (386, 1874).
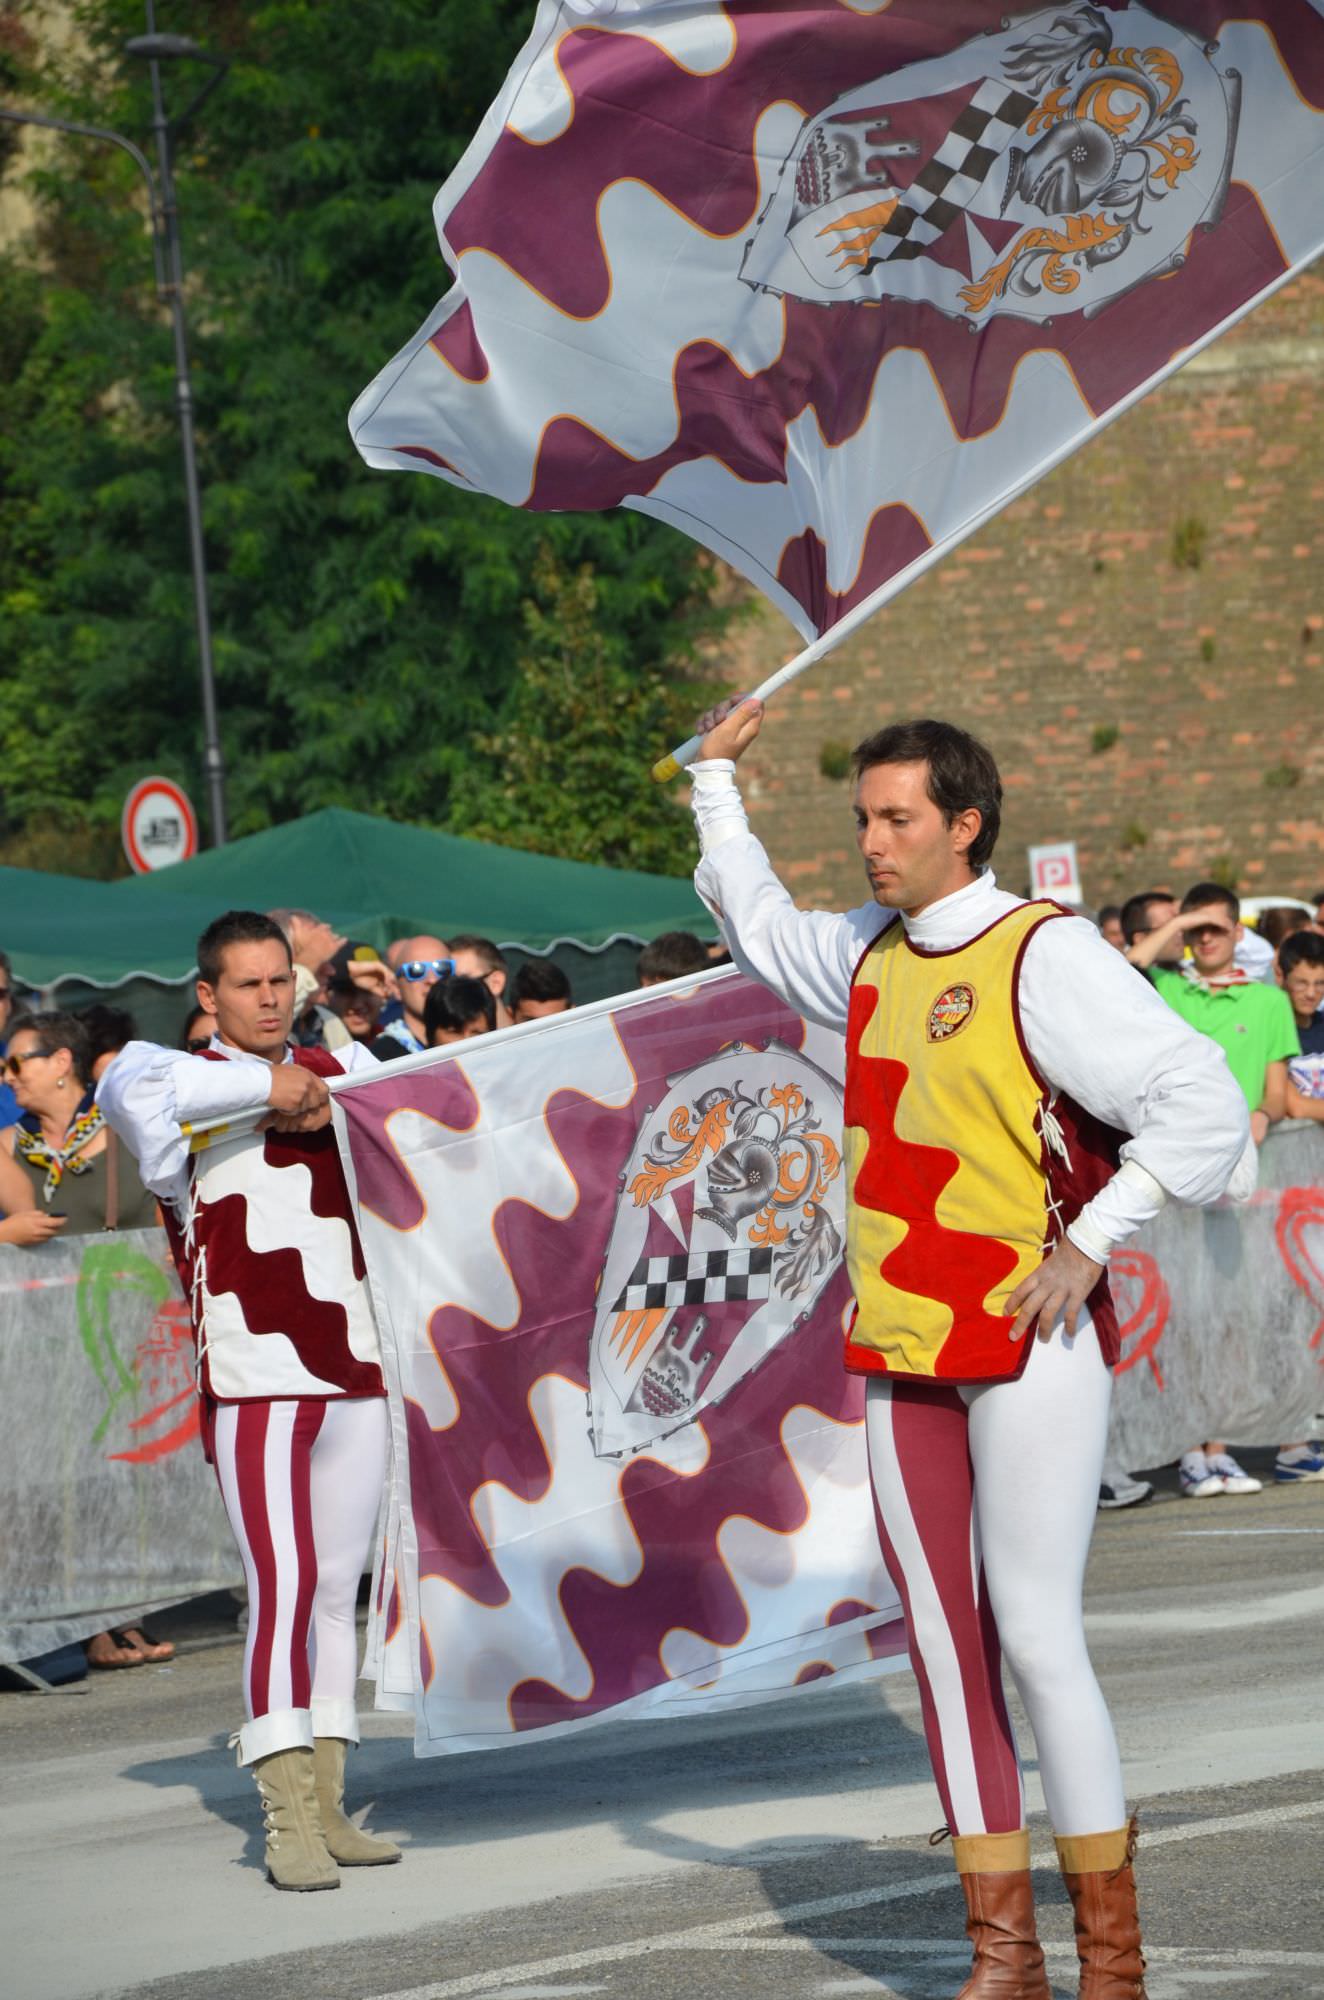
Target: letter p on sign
(1053, 872)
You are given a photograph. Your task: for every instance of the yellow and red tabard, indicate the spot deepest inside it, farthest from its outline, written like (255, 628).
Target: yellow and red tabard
(950, 1203)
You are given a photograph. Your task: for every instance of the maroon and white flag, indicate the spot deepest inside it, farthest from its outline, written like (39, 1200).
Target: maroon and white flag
(826, 284)
(629, 1469)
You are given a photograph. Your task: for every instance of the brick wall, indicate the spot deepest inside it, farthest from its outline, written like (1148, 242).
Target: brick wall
(1140, 640)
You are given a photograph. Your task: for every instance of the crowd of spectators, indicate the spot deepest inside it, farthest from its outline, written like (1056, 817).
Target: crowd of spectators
(1258, 991)
(62, 1171)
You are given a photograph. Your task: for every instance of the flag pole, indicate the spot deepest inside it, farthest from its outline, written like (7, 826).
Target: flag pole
(827, 642)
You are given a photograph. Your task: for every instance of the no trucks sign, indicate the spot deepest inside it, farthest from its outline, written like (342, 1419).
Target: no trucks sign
(158, 826)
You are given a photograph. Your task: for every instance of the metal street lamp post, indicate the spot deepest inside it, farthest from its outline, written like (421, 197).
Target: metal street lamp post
(169, 263)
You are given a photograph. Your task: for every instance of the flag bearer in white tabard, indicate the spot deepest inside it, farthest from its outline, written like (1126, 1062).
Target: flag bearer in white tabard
(289, 1367)
(1018, 1102)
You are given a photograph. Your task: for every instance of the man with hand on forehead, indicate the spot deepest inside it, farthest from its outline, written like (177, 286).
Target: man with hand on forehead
(1017, 1103)
(289, 1364)
(418, 963)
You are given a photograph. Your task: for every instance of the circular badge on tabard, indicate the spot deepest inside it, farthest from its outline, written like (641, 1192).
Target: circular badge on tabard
(159, 825)
(950, 1012)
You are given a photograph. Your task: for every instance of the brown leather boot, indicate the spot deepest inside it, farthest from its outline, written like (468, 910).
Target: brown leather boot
(1102, 1885)
(995, 1875)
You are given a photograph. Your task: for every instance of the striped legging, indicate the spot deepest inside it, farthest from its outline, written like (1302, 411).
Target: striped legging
(986, 1500)
(301, 1479)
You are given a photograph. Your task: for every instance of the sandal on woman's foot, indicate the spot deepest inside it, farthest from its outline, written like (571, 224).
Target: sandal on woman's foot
(110, 1649)
(142, 1642)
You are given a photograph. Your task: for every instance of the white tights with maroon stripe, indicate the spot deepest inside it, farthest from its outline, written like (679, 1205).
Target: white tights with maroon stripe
(302, 1483)
(986, 1499)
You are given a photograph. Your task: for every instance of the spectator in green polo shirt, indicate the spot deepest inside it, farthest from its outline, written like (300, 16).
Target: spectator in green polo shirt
(1254, 1026)
(1251, 1022)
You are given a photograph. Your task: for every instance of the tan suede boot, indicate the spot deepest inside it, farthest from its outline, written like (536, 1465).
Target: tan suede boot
(995, 1875)
(348, 1844)
(297, 1855)
(1102, 1885)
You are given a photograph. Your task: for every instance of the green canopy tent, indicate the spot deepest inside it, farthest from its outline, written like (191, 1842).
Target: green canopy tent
(376, 880)
(56, 926)
(371, 878)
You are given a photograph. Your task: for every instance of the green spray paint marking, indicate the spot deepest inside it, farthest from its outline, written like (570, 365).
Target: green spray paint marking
(107, 1270)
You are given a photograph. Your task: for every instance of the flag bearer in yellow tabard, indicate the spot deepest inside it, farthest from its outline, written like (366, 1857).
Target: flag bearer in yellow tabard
(1018, 1102)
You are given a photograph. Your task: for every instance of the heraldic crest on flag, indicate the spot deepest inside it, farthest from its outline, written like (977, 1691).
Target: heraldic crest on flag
(825, 286)
(730, 1222)
(629, 1472)
(1051, 166)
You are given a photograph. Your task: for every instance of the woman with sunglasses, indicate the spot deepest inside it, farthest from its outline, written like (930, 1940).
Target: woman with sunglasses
(63, 1171)
(61, 1168)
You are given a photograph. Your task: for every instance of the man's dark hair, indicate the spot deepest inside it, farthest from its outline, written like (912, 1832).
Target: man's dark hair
(671, 956)
(108, 1029)
(483, 950)
(539, 979)
(1279, 921)
(1107, 913)
(961, 775)
(1205, 895)
(5, 966)
(237, 927)
(1302, 948)
(58, 1031)
(1136, 910)
(453, 1003)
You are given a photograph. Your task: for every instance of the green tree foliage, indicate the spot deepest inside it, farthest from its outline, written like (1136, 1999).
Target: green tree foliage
(376, 642)
(567, 771)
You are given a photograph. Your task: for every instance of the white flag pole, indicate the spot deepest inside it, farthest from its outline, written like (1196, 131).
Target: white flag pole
(670, 767)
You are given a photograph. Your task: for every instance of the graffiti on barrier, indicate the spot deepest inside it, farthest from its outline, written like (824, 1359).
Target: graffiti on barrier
(1143, 1306)
(1300, 1231)
(156, 1381)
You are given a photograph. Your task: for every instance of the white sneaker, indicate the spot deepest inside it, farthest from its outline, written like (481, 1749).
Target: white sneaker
(1199, 1481)
(1235, 1479)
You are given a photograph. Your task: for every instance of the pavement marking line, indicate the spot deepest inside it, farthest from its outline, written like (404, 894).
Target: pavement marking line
(730, 1930)
(1187, 1532)
(1284, 1604)
(958, 1951)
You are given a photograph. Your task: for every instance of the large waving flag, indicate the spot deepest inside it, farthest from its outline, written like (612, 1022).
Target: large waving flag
(825, 284)
(629, 1467)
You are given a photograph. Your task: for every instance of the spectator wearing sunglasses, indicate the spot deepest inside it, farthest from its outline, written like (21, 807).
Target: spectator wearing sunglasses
(199, 1027)
(418, 963)
(60, 1167)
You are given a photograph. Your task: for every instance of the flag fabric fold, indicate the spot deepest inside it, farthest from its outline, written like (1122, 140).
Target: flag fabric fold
(629, 1470)
(825, 285)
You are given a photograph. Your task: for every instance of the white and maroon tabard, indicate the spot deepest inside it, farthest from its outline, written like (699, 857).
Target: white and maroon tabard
(270, 1259)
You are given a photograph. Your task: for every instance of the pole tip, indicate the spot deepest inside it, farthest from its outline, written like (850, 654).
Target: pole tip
(664, 770)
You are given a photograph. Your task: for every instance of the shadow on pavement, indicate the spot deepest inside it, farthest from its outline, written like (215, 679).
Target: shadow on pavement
(632, 1774)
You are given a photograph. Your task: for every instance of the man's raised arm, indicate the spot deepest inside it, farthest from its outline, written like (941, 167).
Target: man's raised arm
(806, 956)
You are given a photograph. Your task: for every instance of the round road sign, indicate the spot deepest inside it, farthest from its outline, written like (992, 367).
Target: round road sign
(159, 825)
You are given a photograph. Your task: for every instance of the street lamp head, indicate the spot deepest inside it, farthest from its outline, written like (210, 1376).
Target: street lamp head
(167, 48)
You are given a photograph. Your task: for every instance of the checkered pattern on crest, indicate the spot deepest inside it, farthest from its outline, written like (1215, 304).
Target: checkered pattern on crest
(703, 1277)
(943, 190)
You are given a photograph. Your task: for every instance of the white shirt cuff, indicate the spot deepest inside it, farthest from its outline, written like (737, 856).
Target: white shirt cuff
(1131, 1198)
(719, 810)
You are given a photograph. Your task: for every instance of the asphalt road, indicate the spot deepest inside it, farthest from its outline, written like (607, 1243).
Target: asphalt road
(780, 1853)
